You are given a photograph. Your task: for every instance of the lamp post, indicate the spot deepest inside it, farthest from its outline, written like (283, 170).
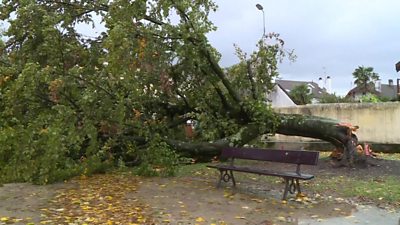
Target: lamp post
(259, 7)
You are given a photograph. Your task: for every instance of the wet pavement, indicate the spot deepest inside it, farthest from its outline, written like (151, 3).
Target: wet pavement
(369, 215)
(196, 201)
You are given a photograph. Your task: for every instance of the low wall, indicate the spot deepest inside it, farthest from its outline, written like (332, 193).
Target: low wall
(378, 122)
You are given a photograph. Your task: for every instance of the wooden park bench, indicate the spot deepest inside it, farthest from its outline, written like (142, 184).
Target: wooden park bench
(291, 178)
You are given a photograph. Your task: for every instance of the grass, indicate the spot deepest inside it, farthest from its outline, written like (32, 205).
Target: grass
(193, 169)
(393, 156)
(385, 189)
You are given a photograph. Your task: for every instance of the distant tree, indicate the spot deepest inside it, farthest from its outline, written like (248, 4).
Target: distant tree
(332, 98)
(370, 98)
(365, 77)
(301, 95)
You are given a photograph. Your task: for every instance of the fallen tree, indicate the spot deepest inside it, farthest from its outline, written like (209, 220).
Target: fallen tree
(339, 135)
(71, 102)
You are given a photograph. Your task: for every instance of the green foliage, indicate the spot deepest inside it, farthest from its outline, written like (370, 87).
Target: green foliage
(301, 95)
(72, 104)
(159, 159)
(370, 98)
(365, 78)
(255, 74)
(332, 98)
(262, 114)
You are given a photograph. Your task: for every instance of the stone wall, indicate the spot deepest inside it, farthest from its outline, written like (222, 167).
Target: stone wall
(379, 122)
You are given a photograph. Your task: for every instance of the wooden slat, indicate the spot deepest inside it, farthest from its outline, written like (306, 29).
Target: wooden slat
(272, 155)
(301, 176)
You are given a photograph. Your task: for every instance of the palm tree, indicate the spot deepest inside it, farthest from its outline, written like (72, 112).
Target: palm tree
(365, 77)
(301, 95)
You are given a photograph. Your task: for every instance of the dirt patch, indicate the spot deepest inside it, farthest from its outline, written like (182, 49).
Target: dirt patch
(191, 201)
(21, 203)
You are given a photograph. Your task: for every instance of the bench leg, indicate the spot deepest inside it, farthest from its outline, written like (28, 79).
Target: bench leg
(233, 178)
(291, 185)
(221, 177)
(287, 187)
(298, 186)
(226, 176)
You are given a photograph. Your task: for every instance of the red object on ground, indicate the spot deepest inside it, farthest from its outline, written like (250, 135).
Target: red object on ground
(189, 131)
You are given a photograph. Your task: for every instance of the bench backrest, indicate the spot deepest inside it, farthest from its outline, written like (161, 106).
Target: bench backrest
(303, 157)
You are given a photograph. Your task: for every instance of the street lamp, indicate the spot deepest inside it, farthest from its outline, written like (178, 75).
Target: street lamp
(259, 7)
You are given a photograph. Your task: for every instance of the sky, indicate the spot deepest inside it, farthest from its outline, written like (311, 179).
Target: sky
(330, 38)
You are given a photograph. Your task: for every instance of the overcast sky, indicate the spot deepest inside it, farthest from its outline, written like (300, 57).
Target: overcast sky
(330, 38)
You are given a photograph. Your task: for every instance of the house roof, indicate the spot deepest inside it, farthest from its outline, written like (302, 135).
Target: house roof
(279, 97)
(388, 91)
(289, 85)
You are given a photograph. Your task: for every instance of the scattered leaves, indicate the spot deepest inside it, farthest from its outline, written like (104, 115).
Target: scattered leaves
(101, 199)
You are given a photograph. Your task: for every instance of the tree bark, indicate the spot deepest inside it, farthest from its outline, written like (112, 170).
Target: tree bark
(324, 129)
(290, 124)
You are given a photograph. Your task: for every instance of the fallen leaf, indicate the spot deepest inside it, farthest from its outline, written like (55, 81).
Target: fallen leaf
(281, 218)
(256, 200)
(240, 217)
(200, 219)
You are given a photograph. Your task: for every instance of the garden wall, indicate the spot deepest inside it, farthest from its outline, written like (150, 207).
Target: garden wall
(378, 122)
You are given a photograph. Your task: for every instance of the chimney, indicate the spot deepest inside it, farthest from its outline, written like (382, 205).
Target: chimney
(398, 87)
(390, 82)
(378, 86)
(398, 67)
(320, 83)
(328, 84)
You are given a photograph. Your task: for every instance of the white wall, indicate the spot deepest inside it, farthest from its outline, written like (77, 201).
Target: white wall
(378, 122)
(279, 98)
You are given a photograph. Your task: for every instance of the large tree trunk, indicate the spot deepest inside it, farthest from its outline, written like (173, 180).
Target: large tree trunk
(324, 129)
(209, 149)
(290, 124)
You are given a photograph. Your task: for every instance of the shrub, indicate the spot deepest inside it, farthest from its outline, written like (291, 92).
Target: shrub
(159, 159)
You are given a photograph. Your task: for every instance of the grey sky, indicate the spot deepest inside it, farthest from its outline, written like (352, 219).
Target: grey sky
(329, 37)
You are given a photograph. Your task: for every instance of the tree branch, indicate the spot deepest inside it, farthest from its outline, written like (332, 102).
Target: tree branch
(250, 76)
(201, 44)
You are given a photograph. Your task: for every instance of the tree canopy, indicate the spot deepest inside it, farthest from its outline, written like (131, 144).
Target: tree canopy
(73, 104)
(365, 77)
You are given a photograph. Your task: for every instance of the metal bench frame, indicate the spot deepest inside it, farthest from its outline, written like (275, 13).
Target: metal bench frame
(292, 183)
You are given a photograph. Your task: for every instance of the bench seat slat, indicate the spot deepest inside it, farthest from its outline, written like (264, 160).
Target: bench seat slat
(301, 176)
(272, 155)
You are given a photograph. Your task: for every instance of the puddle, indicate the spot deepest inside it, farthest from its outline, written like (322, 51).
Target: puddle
(361, 215)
